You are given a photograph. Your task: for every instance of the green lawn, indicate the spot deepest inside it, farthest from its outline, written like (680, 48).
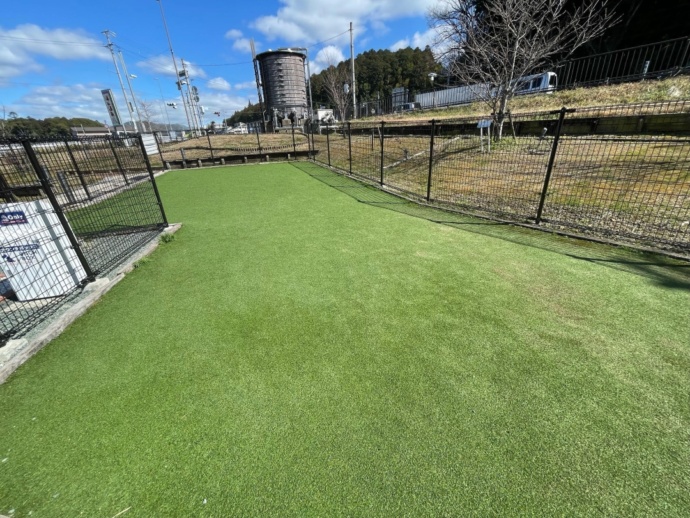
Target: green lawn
(294, 352)
(134, 207)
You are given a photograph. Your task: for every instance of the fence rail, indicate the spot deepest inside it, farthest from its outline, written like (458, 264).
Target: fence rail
(69, 210)
(617, 173)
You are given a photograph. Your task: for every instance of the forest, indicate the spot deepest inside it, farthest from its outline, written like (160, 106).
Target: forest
(18, 127)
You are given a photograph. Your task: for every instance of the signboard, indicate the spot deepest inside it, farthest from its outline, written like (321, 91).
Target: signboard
(12, 218)
(35, 253)
(110, 105)
(150, 144)
(486, 123)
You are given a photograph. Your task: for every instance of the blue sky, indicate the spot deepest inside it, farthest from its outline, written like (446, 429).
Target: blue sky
(53, 61)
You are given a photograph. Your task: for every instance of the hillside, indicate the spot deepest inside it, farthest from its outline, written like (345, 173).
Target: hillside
(674, 89)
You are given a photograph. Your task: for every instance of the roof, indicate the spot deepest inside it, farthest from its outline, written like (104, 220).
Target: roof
(91, 129)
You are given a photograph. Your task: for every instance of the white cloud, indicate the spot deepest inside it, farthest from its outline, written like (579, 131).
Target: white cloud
(400, 44)
(246, 85)
(163, 65)
(327, 56)
(233, 34)
(218, 83)
(308, 21)
(85, 100)
(20, 46)
(243, 45)
(419, 40)
(77, 100)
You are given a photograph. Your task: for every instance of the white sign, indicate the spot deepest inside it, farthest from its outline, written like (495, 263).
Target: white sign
(150, 144)
(110, 105)
(35, 253)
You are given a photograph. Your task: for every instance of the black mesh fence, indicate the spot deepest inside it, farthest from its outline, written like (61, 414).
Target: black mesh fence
(616, 173)
(218, 149)
(69, 210)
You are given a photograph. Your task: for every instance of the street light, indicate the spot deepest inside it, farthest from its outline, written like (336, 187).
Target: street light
(432, 76)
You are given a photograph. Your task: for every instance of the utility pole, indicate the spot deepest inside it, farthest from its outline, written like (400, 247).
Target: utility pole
(131, 91)
(165, 108)
(177, 73)
(352, 66)
(119, 77)
(192, 95)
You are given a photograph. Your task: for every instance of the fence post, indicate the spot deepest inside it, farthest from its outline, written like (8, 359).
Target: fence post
(79, 173)
(48, 189)
(552, 158)
(258, 141)
(328, 145)
(153, 179)
(307, 127)
(349, 143)
(383, 124)
(294, 146)
(431, 160)
(117, 160)
(210, 146)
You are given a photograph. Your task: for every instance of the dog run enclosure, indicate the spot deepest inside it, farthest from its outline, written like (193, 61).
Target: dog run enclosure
(617, 174)
(69, 211)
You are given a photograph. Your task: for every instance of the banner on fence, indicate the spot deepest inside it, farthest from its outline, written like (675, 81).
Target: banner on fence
(35, 253)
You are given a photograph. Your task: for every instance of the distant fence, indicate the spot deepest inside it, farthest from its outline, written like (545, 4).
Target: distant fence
(653, 61)
(69, 210)
(288, 143)
(617, 174)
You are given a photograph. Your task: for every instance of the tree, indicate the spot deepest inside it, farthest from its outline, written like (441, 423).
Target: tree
(146, 110)
(493, 43)
(335, 76)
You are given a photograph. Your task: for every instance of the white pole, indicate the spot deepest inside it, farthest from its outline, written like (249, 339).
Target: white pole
(119, 77)
(165, 108)
(177, 74)
(131, 91)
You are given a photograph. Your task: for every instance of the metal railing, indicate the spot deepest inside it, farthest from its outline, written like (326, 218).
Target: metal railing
(617, 174)
(69, 210)
(653, 61)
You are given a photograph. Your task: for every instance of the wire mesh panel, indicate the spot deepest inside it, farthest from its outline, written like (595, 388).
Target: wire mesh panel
(365, 143)
(473, 171)
(38, 264)
(106, 193)
(338, 147)
(69, 209)
(406, 156)
(629, 181)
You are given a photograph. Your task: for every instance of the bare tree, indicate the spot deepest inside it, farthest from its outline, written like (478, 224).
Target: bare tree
(146, 110)
(334, 79)
(494, 43)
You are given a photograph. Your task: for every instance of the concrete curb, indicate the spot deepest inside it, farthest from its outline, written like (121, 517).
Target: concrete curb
(16, 352)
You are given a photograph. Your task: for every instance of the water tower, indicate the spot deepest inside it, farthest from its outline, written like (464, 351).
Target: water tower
(284, 85)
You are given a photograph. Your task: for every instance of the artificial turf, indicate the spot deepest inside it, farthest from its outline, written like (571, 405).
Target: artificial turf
(294, 352)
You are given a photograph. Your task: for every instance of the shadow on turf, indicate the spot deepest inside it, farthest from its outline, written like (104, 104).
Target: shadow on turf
(662, 270)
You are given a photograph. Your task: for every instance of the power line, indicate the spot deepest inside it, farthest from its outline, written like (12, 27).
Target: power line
(53, 42)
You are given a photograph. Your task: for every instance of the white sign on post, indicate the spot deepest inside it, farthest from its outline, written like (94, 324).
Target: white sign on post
(35, 253)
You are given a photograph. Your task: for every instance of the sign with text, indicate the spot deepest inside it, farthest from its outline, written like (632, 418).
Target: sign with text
(110, 105)
(13, 218)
